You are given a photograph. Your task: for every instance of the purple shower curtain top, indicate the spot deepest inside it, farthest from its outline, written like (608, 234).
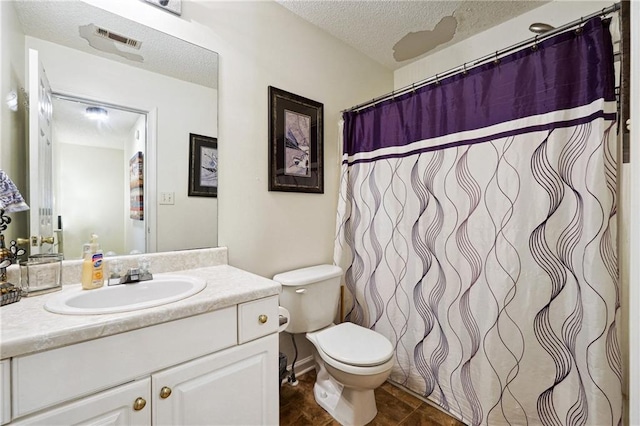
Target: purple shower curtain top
(565, 71)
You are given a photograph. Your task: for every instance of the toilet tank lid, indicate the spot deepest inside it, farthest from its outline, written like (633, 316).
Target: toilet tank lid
(308, 275)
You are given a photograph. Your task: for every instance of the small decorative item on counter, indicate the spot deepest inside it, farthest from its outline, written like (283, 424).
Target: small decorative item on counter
(41, 273)
(9, 293)
(92, 274)
(11, 201)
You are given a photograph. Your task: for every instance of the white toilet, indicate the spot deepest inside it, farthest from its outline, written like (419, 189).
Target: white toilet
(351, 361)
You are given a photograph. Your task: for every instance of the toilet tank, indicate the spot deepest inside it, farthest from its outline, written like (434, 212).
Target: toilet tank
(311, 296)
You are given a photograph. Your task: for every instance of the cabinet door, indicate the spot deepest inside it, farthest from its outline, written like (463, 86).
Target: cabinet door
(237, 386)
(114, 407)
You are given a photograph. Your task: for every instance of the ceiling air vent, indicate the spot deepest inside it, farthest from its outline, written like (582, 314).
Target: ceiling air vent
(118, 38)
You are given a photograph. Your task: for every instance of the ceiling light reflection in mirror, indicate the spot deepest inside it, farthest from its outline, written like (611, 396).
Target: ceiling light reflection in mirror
(96, 113)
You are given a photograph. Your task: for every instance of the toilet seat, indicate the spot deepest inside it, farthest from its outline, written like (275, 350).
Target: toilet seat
(382, 354)
(352, 344)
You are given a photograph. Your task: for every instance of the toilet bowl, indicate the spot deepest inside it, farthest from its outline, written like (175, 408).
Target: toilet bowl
(362, 360)
(350, 360)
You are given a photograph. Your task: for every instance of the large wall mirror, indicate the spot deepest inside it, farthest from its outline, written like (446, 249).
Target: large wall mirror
(123, 101)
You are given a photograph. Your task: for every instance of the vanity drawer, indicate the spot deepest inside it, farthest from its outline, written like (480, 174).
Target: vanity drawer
(47, 378)
(257, 318)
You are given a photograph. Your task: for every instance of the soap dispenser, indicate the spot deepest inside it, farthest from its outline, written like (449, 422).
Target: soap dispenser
(92, 275)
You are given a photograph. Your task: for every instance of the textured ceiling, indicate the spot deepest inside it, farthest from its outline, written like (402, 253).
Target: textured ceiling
(375, 27)
(59, 22)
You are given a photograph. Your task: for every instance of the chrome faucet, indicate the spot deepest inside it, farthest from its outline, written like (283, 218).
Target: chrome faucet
(133, 275)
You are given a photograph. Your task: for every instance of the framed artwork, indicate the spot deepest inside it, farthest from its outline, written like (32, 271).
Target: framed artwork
(295, 143)
(203, 166)
(136, 186)
(173, 6)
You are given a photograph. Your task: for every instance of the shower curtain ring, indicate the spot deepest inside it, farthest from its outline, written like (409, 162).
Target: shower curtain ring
(579, 29)
(496, 60)
(413, 87)
(437, 81)
(535, 43)
(464, 69)
(604, 16)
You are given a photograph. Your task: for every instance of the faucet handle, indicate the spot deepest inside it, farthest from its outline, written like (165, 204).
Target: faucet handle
(144, 264)
(115, 267)
(115, 271)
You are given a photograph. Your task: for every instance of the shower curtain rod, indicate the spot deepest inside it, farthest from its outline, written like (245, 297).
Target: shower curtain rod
(493, 56)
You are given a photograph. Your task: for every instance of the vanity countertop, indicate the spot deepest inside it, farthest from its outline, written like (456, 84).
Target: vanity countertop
(26, 327)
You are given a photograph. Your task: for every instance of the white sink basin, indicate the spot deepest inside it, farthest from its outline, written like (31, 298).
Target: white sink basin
(161, 290)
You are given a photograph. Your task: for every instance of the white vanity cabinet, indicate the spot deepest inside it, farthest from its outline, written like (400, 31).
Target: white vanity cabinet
(188, 371)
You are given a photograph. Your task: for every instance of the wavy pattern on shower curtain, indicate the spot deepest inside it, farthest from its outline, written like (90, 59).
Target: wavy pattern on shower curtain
(486, 255)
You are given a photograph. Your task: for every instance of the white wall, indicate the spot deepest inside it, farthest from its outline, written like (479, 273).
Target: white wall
(101, 80)
(13, 149)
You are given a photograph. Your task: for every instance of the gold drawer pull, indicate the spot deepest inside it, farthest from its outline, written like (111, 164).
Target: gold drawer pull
(165, 392)
(262, 319)
(139, 404)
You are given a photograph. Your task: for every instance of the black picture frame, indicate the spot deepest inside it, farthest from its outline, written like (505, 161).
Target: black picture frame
(296, 162)
(203, 166)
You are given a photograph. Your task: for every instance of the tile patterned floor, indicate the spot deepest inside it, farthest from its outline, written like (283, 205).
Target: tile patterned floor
(395, 407)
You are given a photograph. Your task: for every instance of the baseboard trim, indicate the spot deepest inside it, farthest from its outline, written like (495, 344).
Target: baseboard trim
(302, 366)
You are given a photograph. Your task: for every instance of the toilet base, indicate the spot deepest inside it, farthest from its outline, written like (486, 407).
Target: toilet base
(350, 407)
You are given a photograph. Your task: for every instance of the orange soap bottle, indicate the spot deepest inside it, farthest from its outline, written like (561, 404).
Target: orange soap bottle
(92, 265)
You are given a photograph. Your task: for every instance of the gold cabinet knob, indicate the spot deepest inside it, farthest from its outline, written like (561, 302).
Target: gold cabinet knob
(262, 318)
(139, 403)
(165, 392)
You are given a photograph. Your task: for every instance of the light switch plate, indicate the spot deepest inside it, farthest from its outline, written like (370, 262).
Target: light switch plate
(167, 198)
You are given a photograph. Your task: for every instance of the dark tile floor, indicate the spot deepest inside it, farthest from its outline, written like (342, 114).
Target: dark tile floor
(395, 407)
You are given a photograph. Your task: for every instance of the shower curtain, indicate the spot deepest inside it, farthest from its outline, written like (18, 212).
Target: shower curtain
(477, 228)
